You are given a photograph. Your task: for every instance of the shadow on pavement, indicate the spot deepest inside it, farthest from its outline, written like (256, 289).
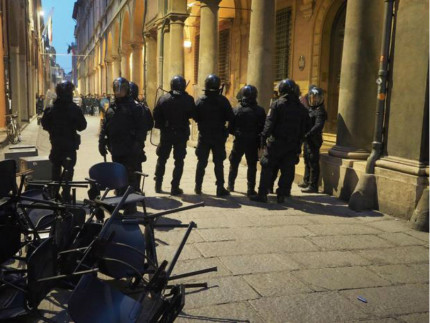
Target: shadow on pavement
(162, 203)
(227, 202)
(210, 319)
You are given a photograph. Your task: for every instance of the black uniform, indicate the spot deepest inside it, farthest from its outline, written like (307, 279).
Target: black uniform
(213, 111)
(285, 127)
(123, 132)
(62, 121)
(312, 145)
(171, 116)
(246, 126)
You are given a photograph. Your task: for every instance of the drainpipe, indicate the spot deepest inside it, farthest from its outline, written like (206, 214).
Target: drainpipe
(161, 57)
(365, 195)
(382, 88)
(145, 6)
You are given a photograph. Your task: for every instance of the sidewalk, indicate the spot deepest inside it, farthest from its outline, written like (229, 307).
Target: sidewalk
(307, 260)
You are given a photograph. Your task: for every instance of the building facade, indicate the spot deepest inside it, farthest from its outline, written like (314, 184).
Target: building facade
(23, 72)
(335, 44)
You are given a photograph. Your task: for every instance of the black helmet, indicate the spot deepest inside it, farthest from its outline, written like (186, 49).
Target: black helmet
(315, 97)
(249, 94)
(65, 89)
(286, 86)
(212, 83)
(134, 90)
(297, 91)
(178, 84)
(121, 88)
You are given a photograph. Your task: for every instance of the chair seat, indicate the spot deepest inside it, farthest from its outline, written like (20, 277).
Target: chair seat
(132, 198)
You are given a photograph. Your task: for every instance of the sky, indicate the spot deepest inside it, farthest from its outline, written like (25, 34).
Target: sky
(63, 28)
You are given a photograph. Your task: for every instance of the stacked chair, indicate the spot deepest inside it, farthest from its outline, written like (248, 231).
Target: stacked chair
(102, 249)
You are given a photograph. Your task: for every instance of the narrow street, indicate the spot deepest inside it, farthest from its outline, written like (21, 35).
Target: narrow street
(307, 260)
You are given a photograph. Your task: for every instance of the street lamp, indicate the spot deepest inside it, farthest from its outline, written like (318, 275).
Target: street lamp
(41, 13)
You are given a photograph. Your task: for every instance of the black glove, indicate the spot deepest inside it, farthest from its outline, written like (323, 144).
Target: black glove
(262, 142)
(102, 149)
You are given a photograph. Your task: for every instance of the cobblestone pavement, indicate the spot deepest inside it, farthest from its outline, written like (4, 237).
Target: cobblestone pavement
(307, 260)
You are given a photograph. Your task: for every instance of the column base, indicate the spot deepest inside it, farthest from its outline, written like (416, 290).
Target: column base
(348, 153)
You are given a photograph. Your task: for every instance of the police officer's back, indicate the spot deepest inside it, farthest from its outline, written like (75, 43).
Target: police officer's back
(246, 126)
(171, 116)
(284, 130)
(123, 131)
(62, 121)
(147, 115)
(213, 111)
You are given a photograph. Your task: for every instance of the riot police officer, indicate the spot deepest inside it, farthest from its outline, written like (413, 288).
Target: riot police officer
(147, 115)
(283, 132)
(213, 111)
(246, 126)
(123, 131)
(171, 116)
(313, 140)
(62, 121)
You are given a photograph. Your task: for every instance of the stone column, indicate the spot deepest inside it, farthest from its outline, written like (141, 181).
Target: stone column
(109, 78)
(102, 79)
(23, 88)
(261, 49)
(166, 62)
(14, 77)
(116, 67)
(176, 52)
(208, 51)
(151, 68)
(137, 71)
(357, 96)
(125, 64)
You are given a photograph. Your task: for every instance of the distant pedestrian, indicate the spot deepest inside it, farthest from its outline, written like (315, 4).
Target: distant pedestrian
(62, 121)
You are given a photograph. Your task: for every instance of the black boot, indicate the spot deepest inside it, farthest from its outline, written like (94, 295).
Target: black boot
(176, 191)
(230, 187)
(310, 189)
(158, 186)
(259, 198)
(303, 185)
(221, 191)
(251, 190)
(198, 189)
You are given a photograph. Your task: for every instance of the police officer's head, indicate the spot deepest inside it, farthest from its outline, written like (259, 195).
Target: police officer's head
(212, 84)
(315, 97)
(249, 94)
(64, 90)
(178, 85)
(121, 88)
(134, 90)
(287, 87)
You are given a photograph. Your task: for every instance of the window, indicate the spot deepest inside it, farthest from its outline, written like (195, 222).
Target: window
(223, 55)
(283, 43)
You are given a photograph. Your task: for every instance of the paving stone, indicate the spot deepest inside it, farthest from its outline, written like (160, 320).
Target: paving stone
(323, 259)
(280, 220)
(415, 318)
(381, 320)
(403, 274)
(401, 239)
(276, 284)
(339, 278)
(319, 218)
(391, 226)
(251, 247)
(388, 301)
(399, 255)
(167, 252)
(341, 229)
(235, 312)
(419, 235)
(350, 242)
(199, 264)
(174, 237)
(315, 307)
(240, 265)
(220, 291)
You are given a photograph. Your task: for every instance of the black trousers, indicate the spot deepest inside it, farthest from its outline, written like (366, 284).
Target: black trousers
(249, 148)
(312, 163)
(132, 164)
(60, 164)
(278, 154)
(204, 147)
(179, 146)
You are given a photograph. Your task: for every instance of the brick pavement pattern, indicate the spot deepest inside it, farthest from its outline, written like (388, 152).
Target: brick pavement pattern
(307, 260)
